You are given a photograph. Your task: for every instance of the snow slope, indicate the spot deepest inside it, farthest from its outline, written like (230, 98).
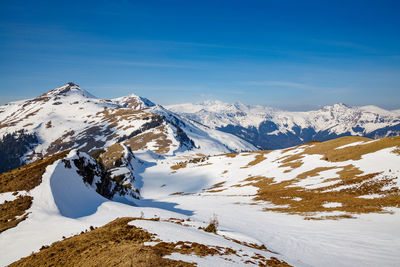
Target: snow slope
(218, 185)
(331, 232)
(64, 205)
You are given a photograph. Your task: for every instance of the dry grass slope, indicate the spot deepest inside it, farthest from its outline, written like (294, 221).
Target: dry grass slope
(115, 244)
(330, 152)
(348, 189)
(28, 176)
(23, 178)
(12, 212)
(158, 136)
(119, 244)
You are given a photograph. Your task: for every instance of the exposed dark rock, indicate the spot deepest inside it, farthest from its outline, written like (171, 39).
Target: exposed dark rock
(106, 186)
(13, 147)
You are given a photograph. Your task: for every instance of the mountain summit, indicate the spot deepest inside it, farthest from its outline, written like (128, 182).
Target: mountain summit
(69, 88)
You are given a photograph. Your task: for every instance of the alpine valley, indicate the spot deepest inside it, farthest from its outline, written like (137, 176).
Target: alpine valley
(126, 182)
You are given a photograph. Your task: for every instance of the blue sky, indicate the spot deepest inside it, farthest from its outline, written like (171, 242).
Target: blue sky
(294, 55)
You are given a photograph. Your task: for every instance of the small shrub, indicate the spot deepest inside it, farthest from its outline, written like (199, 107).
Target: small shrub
(213, 225)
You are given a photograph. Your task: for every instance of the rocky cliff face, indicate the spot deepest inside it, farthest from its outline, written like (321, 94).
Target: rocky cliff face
(103, 179)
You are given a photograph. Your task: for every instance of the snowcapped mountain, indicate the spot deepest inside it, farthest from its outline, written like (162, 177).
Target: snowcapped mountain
(270, 128)
(70, 117)
(165, 187)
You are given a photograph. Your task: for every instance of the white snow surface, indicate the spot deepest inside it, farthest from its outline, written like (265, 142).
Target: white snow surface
(368, 240)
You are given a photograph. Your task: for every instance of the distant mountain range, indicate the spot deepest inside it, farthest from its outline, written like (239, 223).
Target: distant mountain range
(69, 117)
(269, 128)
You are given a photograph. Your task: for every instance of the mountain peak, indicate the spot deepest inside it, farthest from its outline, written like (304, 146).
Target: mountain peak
(134, 101)
(68, 89)
(337, 106)
(71, 84)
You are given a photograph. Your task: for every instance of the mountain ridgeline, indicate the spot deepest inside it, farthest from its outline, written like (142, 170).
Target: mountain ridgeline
(268, 128)
(69, 117)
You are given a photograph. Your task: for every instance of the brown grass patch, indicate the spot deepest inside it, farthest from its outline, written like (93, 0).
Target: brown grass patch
(351, 185)
(28, 176)
(25, 178)
(308, 201)
(140, 141)
(260, 157)
(314, 172)
(115, 244)
(330, 217)
(192, 160)
(291, 164)
(10, 210)
(329, 152)
(355, 152)
(397, 151)
(111, 155)
(332, 154)
(205, 164)
(213, 188)
(179, 165)
(230, 155)
(120, 114)
(119, 244)
(9, 121)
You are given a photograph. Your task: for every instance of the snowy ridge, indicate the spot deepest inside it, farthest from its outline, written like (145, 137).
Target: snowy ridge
(65, 204)
(69, 117)
(208, 140)
(285, 129)
(338, 118)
